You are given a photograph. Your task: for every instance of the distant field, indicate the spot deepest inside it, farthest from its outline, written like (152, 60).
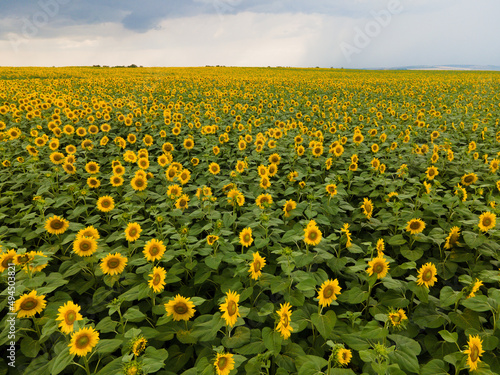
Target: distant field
(249, 221)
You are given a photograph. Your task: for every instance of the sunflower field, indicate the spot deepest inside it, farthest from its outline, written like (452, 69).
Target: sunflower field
(249, 221)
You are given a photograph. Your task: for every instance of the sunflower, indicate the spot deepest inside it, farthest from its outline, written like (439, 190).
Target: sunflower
(431, 172)
(154, 250)
(262, 170)
(367, 207)
(312, 235)
(452, 238)
(188, 143)
(328, 292)
(83, 341)
(183, 202)
(157, 281)
(343, 356)
(474, 351)
(246, 238)
(29, 304)
(116, 180)
(214, 168)
(256, 266)
(211, 239)
(397, 317)
(6, 259)
(93, 183)
(230, 308)
(69, 168)
(289, 206)
(105, 203)
(379, 266)
(380, 247)
(139, 183)
(119, 170)
(132, 232)
(265, 183)
(143, 163)
(57, 158)
(181, 308)
(331, 189)
(427, 275)
(272, 169)
(69, 313)
(92, 167)
(477, 284)
(224, 363)
(487, 221)
(285, 315)
(85, 246)
(138, 345)
(469, 179)
(264, 200)
(113, 264)
(415, 226)
(274, 158)
(56, 225)
(184, 176)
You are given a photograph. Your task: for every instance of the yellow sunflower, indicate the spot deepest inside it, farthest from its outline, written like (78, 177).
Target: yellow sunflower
(380, 247)
(85, 246)
(29, 304)
(312, 235)
(157, 282)
(427, 275)
(69, 313)
(379, 266)
(289, 206)
(328, 292)
(92, 167)
(113, 264)
(343, 356)
(331, 189)
(182, 202)
(285, 315)
(246, 238)
(154, 250)
(397, 317)
(139, 183)
(6, 259)
(264, 200)
(214, 168)
(88, 232)
(469, 179)
(230, 308)
(415, 226)
(487, 221)
(56, 225)
(132, 232)
(105, 203)
(116, 180)
(211, 239)
(474, 351)
(367, 207)
(475, 287)
(452, 238)
(431, 172)
(139, 345)
(83, 341)
(174, 191)
(181, 308)
(256, 266)
(224, 363)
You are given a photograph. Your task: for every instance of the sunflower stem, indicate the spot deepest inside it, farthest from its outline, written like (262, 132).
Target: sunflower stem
(86, 361)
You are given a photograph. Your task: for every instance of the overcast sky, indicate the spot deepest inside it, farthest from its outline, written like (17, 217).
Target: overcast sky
(309, 33)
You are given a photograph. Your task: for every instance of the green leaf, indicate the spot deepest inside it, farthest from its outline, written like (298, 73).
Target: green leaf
(467, 319)
(435, 367)
(398, 239)
(310, 364)
(153, 359)
(272, 340)
(449, 336)
(324, 323)
(480, 304)
(447, 296)
(30, 347)
(406, 353)
(61, 361)
(240, 337)
(108, 346)
(134, 315)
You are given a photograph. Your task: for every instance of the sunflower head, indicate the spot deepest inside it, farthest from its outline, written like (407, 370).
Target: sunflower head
(83, 341)
(427, 275)
(415, 226)
(487, 221)
(328, 292)
(246, 238)
(56, 225)
(474, 351)
(378, 266)
(29, 304)
(230, 308)
(157, 281)
(132, 232)
(69, 313)
(256, 266)
(113, 264)
(181, 308)
(224, 363)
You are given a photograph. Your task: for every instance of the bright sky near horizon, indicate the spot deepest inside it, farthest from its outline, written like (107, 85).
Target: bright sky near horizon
(310, 33)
